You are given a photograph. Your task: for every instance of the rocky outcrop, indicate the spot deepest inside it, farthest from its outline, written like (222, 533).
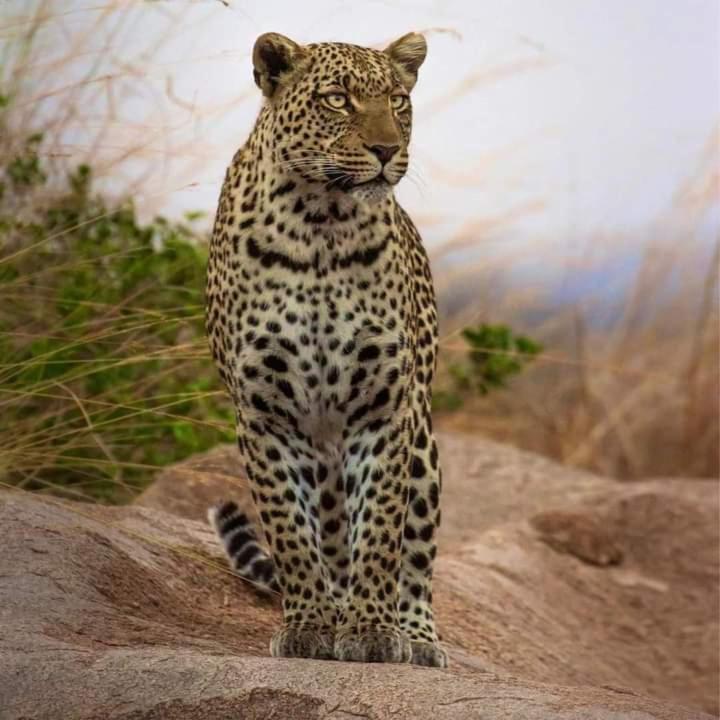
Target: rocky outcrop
(559, 594)
(485, 484)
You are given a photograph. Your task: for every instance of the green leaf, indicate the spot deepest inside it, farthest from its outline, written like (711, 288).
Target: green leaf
(495, 354)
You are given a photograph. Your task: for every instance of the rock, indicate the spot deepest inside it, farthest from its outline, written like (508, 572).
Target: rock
(485, 484)
(578, 534)
(130, 613)
(649, 623)
(189, 488)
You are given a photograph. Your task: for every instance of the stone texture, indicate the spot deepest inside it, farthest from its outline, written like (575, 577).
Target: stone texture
(559, 595)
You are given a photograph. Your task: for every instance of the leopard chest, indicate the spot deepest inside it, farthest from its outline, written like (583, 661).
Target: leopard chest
(324, 350)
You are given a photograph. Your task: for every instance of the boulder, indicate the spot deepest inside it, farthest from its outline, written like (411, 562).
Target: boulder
(585, 598)
(485, 484)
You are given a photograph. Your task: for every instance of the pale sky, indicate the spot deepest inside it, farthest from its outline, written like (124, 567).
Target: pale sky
(538, 119)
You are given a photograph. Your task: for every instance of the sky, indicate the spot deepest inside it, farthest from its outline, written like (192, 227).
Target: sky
(535, 120)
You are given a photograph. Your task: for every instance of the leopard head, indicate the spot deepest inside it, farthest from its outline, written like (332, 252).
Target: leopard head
(339, 114)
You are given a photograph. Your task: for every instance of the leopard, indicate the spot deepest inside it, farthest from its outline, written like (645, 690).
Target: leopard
(322, 321)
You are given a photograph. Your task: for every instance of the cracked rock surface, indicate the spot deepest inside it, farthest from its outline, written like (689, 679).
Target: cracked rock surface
(559, 595)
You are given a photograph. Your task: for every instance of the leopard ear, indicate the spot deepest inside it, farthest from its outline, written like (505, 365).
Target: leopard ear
(408, 54)
(276, 58)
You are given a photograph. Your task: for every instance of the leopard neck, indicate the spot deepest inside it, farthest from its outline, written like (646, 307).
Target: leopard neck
(284, 209)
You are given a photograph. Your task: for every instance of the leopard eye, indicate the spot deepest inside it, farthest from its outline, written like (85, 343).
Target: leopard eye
(336, 101)
(398, 102)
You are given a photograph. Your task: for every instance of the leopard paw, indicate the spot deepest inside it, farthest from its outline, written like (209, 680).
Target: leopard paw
(303, 641)
(373, 645)
(428, 654)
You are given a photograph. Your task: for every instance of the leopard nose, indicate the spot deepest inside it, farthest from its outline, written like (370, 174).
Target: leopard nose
(383, 152)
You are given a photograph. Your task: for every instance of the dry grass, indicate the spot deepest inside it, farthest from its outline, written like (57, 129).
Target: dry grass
(103, 377)
(629, 384)
(635, 395)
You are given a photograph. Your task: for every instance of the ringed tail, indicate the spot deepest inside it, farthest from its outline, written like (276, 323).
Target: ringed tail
(240, 541)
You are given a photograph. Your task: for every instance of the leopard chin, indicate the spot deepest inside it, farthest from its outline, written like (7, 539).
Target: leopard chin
(373, 191)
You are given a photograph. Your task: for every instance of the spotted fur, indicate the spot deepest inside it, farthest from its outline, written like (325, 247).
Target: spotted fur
(247, 556)
(322, 320)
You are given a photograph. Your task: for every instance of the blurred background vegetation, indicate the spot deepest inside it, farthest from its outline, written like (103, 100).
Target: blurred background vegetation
(105, 375)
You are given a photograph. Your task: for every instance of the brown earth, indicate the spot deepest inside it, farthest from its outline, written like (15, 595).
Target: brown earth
(558, 594)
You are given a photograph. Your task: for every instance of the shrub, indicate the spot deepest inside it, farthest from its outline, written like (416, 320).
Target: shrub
(494, 355)
(105, 374)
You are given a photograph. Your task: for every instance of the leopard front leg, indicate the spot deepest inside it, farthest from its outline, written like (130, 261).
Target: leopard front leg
(284, 487)
(375, 479)
(419, 548)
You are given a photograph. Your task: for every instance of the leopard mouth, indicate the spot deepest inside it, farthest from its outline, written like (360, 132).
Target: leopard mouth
(378, 181)
(342, 181)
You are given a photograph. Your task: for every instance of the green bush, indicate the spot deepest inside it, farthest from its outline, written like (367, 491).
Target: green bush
(494, 355)
(104, 371)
